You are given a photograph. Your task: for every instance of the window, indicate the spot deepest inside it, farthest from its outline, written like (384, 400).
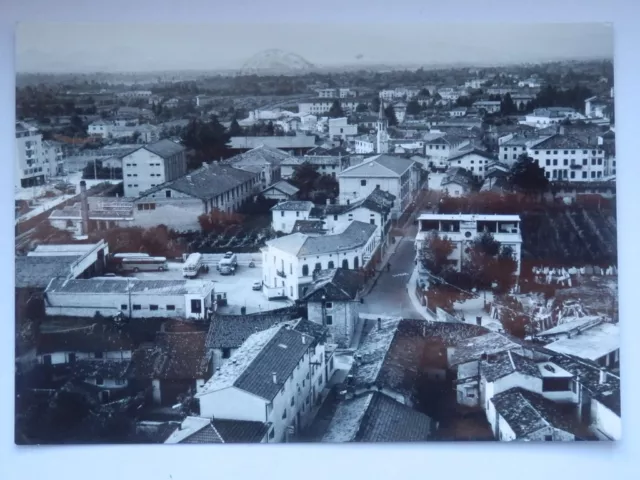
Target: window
(573, 174)
(599, 161)
(272, 433)
(320, 380)
(99, 381)
(196, 305)
(548, 162)
(137, 307)
(168, 193)
(226, 352)
(335, 217)
(555, 384)
(282, 213)
(97, 355)
(363, 183)
(330, 264)
(318, 266)
(566, 162)
(584, 174)
(555, 162)
(171, 307)
(305, 270)
(123, 306)
(284, 414)
(153, 307)
(566, 151)
(120, 381)
(46, 359)
(292, 402)
(297, 214)
(329, 319)
(548, 438)
(593, 161)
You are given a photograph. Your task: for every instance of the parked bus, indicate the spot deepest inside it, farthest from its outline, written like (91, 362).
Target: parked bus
(192, 265)
(228, 263)
(144, 264)
(115, 260)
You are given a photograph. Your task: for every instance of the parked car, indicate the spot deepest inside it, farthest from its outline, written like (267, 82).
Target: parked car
(257, 286)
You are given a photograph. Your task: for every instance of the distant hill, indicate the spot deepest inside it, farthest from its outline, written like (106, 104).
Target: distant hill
(276, 62)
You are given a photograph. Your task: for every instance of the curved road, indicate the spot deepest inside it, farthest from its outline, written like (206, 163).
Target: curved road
(389, 295)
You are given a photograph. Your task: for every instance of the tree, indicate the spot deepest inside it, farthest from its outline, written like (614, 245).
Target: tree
(217, 221)
(464, 101)
(413, 107)
(304, 178)
(507, 107)
(488, 264)
(513, 319)
(424, 93)
(208, 140)
(528, 177)
(327, 185)
(270, 130)
(390, 113)
(435, 252)
(336, 110)
(235, 130)
(361, 108)
(375, 103)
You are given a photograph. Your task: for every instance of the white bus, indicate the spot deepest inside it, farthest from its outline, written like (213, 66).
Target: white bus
(228, 263)
(192, 265)
(115, 260)
(144, 264)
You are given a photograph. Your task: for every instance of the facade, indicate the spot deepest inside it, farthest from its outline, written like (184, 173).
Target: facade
(285, 214)
(289, 263)
(395, 175)
(31, 165)
(566, 158)
(544, 117)
(275, 378)
(295, 145)
(488, 106)
(365, 144)
(474, 161)
(322, 106)
(152, 165)
(281, 191)
(263, 160)
(180, 202)
(462, 229)
(339, 129)
(129, 297)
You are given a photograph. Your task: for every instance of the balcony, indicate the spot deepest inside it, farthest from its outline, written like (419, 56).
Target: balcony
(281, 273)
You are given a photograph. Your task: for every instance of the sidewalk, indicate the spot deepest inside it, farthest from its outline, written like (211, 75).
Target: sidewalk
(411, 291)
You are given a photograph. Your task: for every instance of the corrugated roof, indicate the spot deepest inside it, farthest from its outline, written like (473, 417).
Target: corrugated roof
(120, 285)
(355, 235)
(231, 331)
(37, 272)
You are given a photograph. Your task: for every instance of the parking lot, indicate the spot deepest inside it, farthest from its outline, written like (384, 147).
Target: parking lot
(237, 287)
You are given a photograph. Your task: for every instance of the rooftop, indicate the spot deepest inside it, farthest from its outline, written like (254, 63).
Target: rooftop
(469, 217)
(497, 366)
(198, 430)
(592, 343)
(335, 285)
(92, 338)
(294, 205)
(527, 412)
(163, 148)
(284, 187)
(375, 417)
(299, 141)
(207, 182)
(472, 348)
(37, 271)
(231, 331)
(379, 166)
(262, 154)
(308, 227)
(122, 285)
(561, 141)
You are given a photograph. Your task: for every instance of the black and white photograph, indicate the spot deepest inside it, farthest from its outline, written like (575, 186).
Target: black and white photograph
(315, 233)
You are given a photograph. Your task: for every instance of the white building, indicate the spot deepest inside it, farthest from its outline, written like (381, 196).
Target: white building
(440, 146)
(490, 106)
(31, 164)
(475, 161)
(152, 165)
(543, 117)
(462, 229)
(53, 158)
(339, 129)
(475, 83)
(568, 158)
(322, 106)
(131, 297)
(365, 144)
(395, 175)
(284, 215)
(289, 263)
(262, 160)
(280, 191)
(201, 430)
(529, 83)
(274, 378)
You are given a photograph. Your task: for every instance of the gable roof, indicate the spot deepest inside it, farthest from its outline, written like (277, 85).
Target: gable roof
(260, 155)
(499, 365)
(194, 430)
(473, 151)
(375, 417)
(294, 205)
(92, 338)
(338, 285)
(308, 227)
(163, 148)
(561, 141)
(472, 348)
(37, 271)
(251, 368)
(284, 187)
(379, 166)
(207, 182)
(231, 331)
(527, 412)
(299, 141)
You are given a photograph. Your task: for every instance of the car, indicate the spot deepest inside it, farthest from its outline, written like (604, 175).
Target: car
(257, 286)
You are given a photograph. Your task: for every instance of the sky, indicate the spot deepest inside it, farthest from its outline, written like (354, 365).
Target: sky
(156, 47)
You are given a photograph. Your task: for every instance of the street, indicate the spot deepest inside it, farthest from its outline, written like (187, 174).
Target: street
(389, 295)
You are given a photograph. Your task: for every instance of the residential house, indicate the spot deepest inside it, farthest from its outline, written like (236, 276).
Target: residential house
(200, 430)
(289, 263)
(333, 301)
(512, 146)
(365, 144)
(473, 160)
(152, 165)
(543, 117)
(375, 417)
(320, 106)
(457, 182)
(340, 129)
(179, 203)
(296, 145)
(31, 164)
(175, 365)
(439, 147)
(129, 297)
(275, 378)
(309, 227)
(488, 106)
(458, 112)
(396, 175)
(286, 214)
(262, 160)
(282, 191)
(461, 229)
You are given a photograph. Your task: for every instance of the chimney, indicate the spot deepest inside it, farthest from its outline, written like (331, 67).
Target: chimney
(603, 377)
(424, 330)
(379, 323)
(189, 178)
(84, 207)
(479, 321)
(304, 339)
(275, 377)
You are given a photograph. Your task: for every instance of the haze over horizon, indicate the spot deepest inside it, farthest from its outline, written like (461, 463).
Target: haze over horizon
(85, 48)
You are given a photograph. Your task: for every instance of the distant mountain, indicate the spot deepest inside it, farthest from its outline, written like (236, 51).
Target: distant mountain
(276, 62)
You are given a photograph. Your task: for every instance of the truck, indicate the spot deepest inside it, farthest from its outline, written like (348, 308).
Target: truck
(192, 265)
(228, 263)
